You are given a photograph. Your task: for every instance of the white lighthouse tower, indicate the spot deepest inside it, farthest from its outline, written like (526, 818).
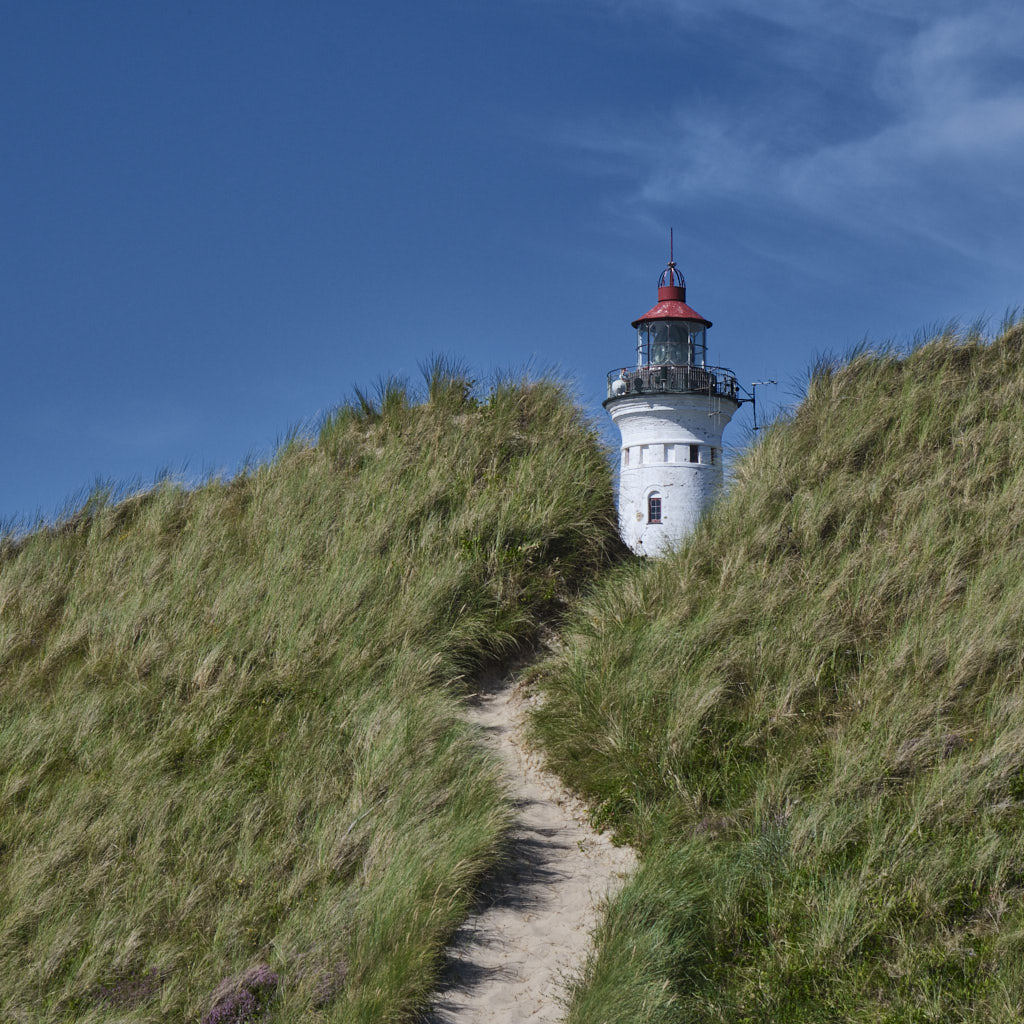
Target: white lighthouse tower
(671, 409)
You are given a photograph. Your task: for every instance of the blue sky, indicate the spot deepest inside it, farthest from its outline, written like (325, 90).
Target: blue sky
(218, 217)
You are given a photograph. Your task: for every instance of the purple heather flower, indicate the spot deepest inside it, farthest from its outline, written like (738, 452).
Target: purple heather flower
(245, 998)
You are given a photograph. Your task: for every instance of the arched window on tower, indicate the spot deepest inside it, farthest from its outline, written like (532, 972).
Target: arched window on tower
(654, 507)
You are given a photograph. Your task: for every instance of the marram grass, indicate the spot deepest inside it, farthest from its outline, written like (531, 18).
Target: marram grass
(811, 718)
(233, 776)
(234, 783)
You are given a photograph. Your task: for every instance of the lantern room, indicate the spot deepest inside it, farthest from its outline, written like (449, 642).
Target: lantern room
(671, 333)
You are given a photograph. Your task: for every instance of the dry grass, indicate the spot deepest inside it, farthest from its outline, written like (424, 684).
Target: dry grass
(230, 745)
(812, 718)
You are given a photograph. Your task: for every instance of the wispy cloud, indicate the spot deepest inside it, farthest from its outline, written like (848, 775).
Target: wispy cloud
(918, 128)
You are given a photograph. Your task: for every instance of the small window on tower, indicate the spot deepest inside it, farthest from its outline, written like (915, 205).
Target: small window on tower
(654, 508)
(625, 456)
(695, 453)
(714, 456)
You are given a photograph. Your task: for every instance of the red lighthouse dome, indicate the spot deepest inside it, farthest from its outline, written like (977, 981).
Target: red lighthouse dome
(671, 333)
(671, 299)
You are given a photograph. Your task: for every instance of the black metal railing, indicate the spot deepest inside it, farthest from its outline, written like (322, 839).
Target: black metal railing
(674, 380)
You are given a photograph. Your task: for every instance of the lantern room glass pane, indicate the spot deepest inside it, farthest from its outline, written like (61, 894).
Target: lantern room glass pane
(677, 344)
(698, 345)
(671, 342)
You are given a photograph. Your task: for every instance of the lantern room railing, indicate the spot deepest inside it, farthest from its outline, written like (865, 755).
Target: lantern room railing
(673, 379)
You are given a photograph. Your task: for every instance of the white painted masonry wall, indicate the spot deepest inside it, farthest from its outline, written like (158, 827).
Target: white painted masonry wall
(654, 457)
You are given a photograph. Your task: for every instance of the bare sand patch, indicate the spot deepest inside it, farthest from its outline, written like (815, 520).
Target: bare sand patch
(531, 932)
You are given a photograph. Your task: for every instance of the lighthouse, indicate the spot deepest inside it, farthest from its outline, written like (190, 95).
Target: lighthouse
(671, 408)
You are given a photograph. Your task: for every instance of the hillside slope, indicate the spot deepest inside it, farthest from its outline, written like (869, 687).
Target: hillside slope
(811, 719)
(233, 774)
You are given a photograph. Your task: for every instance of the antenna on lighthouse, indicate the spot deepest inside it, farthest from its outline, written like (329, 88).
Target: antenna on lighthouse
(671, 276)
(753, 400)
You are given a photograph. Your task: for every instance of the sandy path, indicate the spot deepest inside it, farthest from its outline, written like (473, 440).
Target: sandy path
(509, 961)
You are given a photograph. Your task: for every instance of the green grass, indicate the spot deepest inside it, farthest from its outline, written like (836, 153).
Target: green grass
(811, 718)
(229, 716)
(230, 737)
